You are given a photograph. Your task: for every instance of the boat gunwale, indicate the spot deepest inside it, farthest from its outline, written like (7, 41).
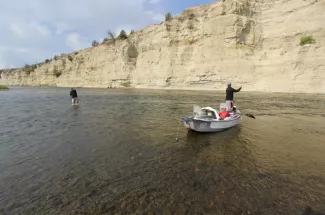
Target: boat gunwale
(213, 120)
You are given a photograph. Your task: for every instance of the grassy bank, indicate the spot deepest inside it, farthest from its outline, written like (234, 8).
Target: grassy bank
(2, 87)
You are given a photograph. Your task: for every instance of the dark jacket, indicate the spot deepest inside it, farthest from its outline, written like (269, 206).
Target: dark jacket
(73, 94)
(230, 93)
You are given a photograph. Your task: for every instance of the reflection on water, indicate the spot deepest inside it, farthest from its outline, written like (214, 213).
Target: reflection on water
(116, 153)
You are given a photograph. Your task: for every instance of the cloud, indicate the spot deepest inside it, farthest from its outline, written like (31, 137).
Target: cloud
(39, 28)
(7, 52)
(76, 42)
(155, 16)
(61, 27)
(16, 29)
(29, 29)
(34, 30)
(154, 1)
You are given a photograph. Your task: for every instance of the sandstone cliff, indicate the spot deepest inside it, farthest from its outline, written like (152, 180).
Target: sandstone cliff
(252, 43)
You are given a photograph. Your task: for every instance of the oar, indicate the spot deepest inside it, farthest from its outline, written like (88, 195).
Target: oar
(249, 115)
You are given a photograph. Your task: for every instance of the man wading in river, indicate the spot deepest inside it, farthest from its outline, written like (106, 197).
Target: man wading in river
(74, 96)
(230, 96)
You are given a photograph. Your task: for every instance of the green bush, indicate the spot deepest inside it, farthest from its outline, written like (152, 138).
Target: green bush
(191, 26)
(70, 58)
(56, 72)
(56, 57)
(94, 43)
(2, 87)
(307, 40)
(132, 32)
(123, 35)
(191, 16)
(28, 69)
(47, 61)
(168, 17)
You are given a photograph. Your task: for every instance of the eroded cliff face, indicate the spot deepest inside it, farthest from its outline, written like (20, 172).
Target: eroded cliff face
(251, 43)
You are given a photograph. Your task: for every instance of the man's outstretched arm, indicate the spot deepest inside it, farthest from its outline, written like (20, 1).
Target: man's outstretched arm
(237, 90)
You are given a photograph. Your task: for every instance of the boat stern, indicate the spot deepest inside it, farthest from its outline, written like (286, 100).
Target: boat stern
(187, 121)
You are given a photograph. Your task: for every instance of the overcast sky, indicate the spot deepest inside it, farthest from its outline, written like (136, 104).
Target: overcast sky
(34, 30)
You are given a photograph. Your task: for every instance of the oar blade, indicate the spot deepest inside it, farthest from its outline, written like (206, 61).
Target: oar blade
(250, 115)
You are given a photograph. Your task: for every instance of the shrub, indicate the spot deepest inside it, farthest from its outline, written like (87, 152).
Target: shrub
(168, 27)
(28, 69)
(47, 61)
(123, 35)
(132, 51)
(191, 16)
(191, 26)
(181, 18)
(132, 32)
(191, 42)
(2, 87)
(70, 58)
(307, 40)
(108, 41)
(168, 17)
(111, 35)
(126, 84)
(55, 57)
(94, 43)
(56, 72)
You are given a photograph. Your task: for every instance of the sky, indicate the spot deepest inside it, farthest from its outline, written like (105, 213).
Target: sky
(34, 30)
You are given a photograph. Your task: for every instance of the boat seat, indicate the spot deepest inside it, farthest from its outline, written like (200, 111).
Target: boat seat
(197, 111)
(223, 106)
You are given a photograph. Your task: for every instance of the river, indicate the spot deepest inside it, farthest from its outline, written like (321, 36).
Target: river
(116, 153)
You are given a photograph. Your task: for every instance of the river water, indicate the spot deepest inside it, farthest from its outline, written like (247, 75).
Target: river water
(116, 153)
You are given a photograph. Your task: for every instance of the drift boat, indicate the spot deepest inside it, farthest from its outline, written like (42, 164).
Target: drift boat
(207, 119)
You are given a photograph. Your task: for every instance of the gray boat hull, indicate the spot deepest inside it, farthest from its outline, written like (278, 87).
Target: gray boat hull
(209, 125)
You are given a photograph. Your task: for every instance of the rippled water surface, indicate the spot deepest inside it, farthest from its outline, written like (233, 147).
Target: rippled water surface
(116, 153)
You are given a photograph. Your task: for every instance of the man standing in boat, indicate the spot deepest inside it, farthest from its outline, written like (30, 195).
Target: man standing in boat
(230, 96)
